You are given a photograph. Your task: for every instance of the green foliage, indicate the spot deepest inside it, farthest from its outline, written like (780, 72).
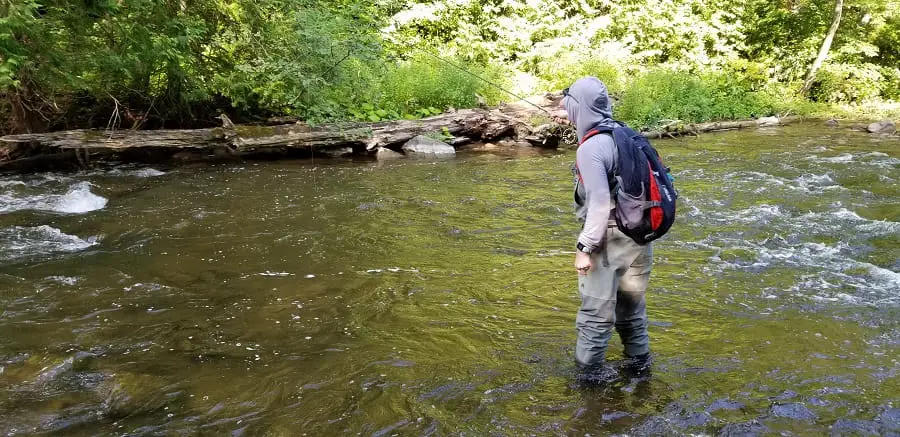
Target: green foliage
(846, 83)
(661, 96)
(442, 135)
(567, 73)
(131, 63)
(422, 86)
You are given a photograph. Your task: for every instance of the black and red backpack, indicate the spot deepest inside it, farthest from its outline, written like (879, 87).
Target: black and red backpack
(643, 187)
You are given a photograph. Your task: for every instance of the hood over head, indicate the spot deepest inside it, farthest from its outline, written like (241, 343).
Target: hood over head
(588, 105)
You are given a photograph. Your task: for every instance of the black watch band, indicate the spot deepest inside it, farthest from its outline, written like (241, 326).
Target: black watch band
(582, 248)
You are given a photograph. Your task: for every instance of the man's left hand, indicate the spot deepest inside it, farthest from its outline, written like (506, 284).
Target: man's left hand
(583, 263)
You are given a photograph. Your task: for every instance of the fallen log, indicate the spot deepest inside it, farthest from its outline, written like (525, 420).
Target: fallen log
(245, 140)
(481, 123)
(676, 130)
(524, 121)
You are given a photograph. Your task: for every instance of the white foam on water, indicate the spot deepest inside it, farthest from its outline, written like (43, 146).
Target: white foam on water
(878, 159)
(812, 182)
(834, 276)
(889, 277)
(22, 242)
(754, 214)
(65, 280)
(755, 176)
(148, 173)
(77, 200)
(842, 159)
(150, 286)
(837, 221)
(140, 173)
(268, 273)
(14, 183)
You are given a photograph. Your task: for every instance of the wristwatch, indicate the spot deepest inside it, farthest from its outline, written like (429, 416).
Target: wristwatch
(582, 248)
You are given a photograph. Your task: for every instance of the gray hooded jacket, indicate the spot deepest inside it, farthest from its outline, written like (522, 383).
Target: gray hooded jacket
(588, 107)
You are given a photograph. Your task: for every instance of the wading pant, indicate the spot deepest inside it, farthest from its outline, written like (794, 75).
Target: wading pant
(612, 295)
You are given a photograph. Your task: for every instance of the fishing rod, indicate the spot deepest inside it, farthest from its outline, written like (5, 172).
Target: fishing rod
(481, 78)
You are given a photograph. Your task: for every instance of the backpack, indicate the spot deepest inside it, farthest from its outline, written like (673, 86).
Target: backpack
(643, 187)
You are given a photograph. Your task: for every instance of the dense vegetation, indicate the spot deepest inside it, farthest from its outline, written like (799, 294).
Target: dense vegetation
(168, 63)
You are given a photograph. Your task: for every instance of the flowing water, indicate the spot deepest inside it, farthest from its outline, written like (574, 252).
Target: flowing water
(419, 298)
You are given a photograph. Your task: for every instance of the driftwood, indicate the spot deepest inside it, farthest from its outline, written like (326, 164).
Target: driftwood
(243, 140)
(695, 129)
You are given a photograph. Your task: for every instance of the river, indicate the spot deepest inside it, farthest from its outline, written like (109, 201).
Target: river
(438, 298)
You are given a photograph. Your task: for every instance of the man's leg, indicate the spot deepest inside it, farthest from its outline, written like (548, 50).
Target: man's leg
(631, 310)
(597, 315)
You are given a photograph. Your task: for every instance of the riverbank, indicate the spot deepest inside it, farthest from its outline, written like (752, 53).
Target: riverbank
(523, 124)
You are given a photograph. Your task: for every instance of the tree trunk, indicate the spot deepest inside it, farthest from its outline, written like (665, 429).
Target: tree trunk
(826, 45)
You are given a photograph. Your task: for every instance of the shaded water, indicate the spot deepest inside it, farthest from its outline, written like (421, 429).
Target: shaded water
(424, 298)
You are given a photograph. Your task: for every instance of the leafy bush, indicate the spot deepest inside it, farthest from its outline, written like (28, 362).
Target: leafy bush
(660, 95)
(424, 86)
(891, 83)
(562, 75)
(846, 83)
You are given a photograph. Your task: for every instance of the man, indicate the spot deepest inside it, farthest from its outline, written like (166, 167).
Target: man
(613, 269)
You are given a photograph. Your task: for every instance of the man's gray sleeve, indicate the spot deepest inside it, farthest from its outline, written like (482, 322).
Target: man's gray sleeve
(594, 158)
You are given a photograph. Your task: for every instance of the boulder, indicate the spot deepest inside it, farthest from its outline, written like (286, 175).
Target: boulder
(882, 127)
(424, 146)
(384, 154)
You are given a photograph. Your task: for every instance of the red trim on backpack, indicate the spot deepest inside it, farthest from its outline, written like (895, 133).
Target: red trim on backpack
(587, 136)
(656, 212)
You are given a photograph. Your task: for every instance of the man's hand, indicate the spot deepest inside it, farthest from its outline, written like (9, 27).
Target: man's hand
(583, 263)
(560, 116)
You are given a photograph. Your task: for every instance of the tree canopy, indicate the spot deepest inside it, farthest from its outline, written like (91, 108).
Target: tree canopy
(144, 64)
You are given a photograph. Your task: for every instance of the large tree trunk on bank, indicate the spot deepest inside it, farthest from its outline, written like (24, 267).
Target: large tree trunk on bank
(244, 140)
(826, 46)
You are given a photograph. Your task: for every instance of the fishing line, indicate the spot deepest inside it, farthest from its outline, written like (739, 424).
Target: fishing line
(480, 78)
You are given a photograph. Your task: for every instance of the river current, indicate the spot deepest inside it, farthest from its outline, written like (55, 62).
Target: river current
(438, 298)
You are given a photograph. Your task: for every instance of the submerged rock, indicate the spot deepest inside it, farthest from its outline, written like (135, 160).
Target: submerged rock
(339, 152)
(794, 410)
(424, 146)
(831, 123)
(854, 427)
(890, 419)
(383, 154)
(724, 404)
(749, 429)
(882, 127)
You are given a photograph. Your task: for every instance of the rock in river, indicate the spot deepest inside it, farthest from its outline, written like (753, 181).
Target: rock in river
(424, 146)
(384, 154)
(882, 127)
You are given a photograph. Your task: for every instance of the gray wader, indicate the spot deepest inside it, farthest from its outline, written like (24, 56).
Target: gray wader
(612, 295)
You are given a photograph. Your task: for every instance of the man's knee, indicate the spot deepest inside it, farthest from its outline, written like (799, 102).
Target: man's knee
(596, 313)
